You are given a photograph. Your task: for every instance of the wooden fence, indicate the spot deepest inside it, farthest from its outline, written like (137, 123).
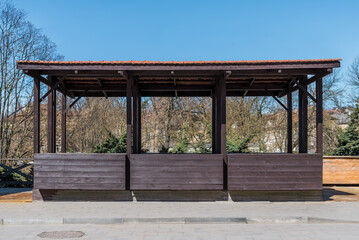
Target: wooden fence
(341, 170)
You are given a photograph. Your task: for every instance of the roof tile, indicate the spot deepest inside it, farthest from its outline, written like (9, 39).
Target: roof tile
(201, 62)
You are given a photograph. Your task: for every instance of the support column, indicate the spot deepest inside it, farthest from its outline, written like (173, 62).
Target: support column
(222, 107)
(136, 119)
(289, 123)
(129, 115)
(303, 118)
(51, 120)
(217, 117)
(214, 109)
(222, 90)
(63, 123)
(319, 115)
(36, 115)
(129, 129)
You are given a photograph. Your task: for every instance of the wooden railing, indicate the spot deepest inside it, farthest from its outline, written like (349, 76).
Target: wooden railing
(274, 172)
(85, 171)
(16, 173)
(20, 172)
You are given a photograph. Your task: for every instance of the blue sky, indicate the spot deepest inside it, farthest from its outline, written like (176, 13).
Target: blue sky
(199, 30)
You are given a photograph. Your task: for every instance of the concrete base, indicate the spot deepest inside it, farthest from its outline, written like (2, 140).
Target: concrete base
(80, 195)
(175, 196)
(275, 196)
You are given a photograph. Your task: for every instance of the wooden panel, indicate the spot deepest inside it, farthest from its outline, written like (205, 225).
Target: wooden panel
(273, 172)
(79, 171)
(341, 170)
(176, 172)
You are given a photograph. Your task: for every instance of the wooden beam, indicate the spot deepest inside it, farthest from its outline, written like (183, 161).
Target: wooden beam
(320, 74)
(63, 123)
(72, 104)
(319, 115)
(36, 74)
(289, 123)
(249, 85)
(36, 114)
(189, 73)
(304, 89)
(173, 67)
(278, 101)
(52, 88)
(101, 86)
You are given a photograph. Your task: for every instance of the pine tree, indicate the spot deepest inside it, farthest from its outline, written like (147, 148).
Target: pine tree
(183, 144)
(237, 145)
(349, 139)
(112, 144)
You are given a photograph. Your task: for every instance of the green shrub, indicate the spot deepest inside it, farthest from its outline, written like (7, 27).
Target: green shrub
(348, 143)
(14, 177)
(201, 146)
(237, 145)
(182, 146)
(112, 144)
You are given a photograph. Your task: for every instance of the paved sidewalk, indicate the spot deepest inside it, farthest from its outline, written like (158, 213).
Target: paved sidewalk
(176, 212)
(189, 232)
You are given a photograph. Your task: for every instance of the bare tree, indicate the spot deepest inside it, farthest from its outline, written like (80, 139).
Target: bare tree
(19, 40)
(89, 122)
(353, 74)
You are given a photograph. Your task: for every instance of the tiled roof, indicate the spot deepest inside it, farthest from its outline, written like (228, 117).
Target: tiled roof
(244, 62)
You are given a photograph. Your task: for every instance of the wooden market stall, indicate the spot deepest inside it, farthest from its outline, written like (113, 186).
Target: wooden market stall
(216, 79)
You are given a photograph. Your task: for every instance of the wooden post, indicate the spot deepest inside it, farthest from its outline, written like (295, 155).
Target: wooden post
(303, 118)
(129, 115)
(217, 117)
(222, 89)
(214, 121)
(51, 120)
(221, 106)
(319, 115)
(129, 129)
(36, 115)
(289, 123)
(136, 119)
(63, 123)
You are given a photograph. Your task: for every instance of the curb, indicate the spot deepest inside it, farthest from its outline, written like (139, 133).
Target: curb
(191, 220)
(31, 221)
(278, 220)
